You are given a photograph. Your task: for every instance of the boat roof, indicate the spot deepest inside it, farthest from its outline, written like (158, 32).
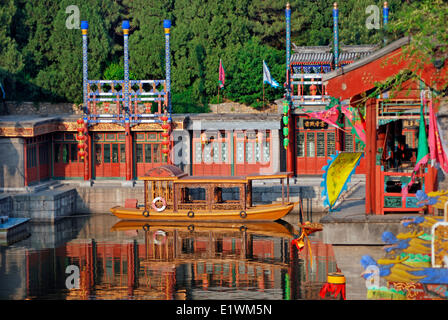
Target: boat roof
(173, 173)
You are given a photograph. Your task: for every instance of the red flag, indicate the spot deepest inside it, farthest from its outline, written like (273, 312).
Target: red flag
(222, 75)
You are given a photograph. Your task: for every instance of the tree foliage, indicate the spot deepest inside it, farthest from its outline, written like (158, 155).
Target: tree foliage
(41, 59)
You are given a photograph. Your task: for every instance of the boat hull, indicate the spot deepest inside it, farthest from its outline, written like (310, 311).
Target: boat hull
(278, 228)
(258, 213)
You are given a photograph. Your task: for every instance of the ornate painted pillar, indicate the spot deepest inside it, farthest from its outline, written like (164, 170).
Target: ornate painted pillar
(385, 14)
(167, 28)
(288, 40)
(336, 35)
(126, 26)
(85, 79)
(126, 86)
(290, 126)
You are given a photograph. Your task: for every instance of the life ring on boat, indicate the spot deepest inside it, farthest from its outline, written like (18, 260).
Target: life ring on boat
(145, 213)
(243, 228)
(163, 207)
(191, 227)
(190, 214)
(243, 214)
(146, 227)
(159, 233)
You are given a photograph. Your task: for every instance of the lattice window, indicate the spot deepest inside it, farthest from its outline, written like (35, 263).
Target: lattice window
(249, 152)
(310, 144)
(300, 144)
(224, 152)
(266, 152)
(240, 152)
(198, 152)
(331, 143)
(320, 144)
(348, 146)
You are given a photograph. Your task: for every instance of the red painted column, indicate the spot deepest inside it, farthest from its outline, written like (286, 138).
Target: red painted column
(128, 147)
(292, 143)
(87, 164)
(370, 153)
(25, 163)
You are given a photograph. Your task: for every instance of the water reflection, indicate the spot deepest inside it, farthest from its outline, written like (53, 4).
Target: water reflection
(132, 260)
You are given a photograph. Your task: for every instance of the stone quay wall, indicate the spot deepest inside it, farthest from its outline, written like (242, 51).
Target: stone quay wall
(45, 206)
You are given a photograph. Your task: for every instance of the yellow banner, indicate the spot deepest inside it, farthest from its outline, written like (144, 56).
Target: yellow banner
(338, 173)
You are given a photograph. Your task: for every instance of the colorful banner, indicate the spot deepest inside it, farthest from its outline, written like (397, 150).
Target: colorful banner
(437, 152)
(267, 78)
(357, 125)
(329, 116)
(222, 75)
(337, 174)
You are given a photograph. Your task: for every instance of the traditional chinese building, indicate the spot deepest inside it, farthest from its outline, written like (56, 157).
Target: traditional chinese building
(392, 120)
(312, 141)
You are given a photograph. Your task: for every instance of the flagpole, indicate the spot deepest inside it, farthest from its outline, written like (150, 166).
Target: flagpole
(263, 94)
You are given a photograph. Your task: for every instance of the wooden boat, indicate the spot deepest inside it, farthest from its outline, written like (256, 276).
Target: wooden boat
(168, 196)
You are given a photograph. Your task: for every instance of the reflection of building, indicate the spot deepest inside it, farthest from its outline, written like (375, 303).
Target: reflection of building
(176, 263)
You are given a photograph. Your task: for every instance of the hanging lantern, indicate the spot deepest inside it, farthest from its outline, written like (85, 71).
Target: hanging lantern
(165, 134)
(81, 137)
(335, 286)
(285, 123)
(147, 108)
(106, 107)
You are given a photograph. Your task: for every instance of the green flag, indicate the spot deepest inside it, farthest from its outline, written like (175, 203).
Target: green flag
(423, 150)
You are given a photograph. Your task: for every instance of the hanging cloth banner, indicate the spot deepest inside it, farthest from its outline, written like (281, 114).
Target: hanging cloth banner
(222, 75)
(357, 125)
(329, 116)
(337, 174)
(438, 154)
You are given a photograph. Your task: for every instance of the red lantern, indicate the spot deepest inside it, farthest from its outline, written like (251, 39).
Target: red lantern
(82, 146)
(80, 121)
(165, 143)
(165, 150)
(81, 138)
(80, 129)
(165, 134)
(164, 118)
(165, 126)
(82, 153)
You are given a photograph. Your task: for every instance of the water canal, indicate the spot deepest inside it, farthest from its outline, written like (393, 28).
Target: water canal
(98, 257)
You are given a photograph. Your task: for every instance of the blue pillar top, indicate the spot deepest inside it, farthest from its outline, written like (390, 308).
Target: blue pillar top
(288, 10)
(167, 26)
(335, 10)
(84, 25)
(125, 25)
